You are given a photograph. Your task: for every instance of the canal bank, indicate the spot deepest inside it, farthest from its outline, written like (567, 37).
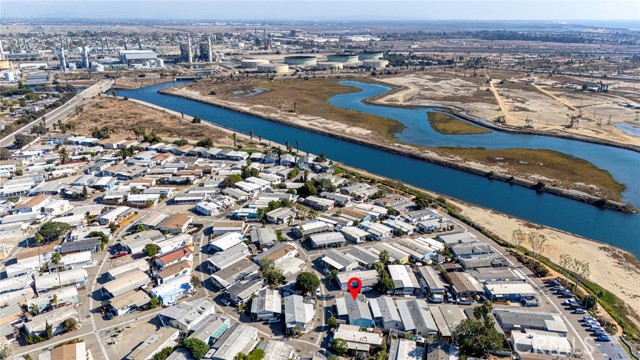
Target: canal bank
(427, 156)
(615, 228)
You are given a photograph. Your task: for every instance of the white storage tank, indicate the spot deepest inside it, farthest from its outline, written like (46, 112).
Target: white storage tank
(252, 63)
(273, 68)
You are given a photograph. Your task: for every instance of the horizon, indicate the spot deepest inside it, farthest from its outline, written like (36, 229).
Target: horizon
(570, 11)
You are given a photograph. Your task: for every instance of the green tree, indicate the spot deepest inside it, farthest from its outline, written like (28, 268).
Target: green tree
(421, 202)
(64, 156)
(70, 324)
(5, 154)
(154, 302)
(340, 347)
(333, 322)
(384, 257)
(196, 347)
(85, 193)
(307, 282)
(386, 283)
(151, 249)
(56, 258)
(52, 231)
(113, 227)
(476, 338)
(308, 189)
(232, 179)
(163, 354)
(104, 239)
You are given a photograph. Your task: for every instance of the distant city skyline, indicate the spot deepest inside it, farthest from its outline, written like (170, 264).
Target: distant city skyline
(309, 10)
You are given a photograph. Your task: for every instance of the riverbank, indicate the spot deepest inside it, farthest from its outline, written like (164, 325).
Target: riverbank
(376, 140)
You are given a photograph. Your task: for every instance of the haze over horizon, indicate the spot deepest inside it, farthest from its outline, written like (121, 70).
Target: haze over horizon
(309, 10)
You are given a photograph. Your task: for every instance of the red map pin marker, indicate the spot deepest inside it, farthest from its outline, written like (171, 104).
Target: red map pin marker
(354, 285)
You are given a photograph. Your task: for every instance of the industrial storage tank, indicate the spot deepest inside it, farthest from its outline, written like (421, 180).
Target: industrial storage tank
(252, 63)
(375, 64)
(329, 65)
(301, 60)
(371, 55)
(273, 68)
(344, 58)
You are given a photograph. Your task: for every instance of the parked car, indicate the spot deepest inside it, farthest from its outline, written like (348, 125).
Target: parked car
(225, 301)
(603, 338)
(579, 311)
(120, 254)
(464, 301)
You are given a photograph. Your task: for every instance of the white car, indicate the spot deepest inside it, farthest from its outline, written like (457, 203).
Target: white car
(318, 293)
(225, 301)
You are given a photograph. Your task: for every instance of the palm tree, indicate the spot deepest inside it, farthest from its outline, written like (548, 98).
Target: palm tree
(298, 145)
(54, 300)
(34, 309)
(234, 137)
(251, 134)
(64, 157)
(286, 144)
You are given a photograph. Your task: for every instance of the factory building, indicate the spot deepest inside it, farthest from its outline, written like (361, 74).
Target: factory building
(137, 56)
(252, 63)
(345, 58)
(370, 55)
(301, 60)
(273, 68)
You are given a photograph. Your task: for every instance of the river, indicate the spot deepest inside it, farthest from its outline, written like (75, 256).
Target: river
(615, 228)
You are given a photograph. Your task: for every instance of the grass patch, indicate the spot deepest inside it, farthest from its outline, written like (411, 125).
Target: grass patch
(563, 168)
(448, 125)
(310, 97)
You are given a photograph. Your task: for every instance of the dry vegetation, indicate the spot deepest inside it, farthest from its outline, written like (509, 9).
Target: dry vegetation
(549, 167)
(124, 115)
(309, 96)
(276, 99)
(449, 125)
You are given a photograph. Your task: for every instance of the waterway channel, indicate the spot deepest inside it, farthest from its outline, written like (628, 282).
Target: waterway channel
(618, 229)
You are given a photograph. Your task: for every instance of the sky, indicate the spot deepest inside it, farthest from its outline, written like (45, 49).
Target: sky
(551, 10)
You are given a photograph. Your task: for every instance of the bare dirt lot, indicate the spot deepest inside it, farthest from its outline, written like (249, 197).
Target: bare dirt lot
(124, 116)
(546, 101)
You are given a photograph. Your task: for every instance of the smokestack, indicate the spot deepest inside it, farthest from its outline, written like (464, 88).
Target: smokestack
(106, 42)
(139, 43)
(125, 45)
(190, 50)
(63, 62)
(2, 50)
(209, 57)
(85, 58)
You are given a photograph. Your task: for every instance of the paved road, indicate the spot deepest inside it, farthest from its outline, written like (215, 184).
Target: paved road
(61, 112)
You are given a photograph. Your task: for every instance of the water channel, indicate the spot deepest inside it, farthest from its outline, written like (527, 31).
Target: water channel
(618, 229)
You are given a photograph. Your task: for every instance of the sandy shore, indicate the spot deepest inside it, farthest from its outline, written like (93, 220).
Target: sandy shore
(609, 266)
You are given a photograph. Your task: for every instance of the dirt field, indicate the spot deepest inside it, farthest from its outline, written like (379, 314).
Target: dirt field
(275, 99)
(308, 97)
(124, 116)
(545, 101)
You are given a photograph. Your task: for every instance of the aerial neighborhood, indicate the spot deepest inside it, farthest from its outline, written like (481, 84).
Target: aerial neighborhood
(204, 252)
